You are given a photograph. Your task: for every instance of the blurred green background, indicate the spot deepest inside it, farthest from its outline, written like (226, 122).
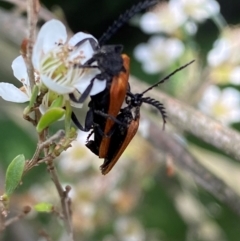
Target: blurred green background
(154, 213)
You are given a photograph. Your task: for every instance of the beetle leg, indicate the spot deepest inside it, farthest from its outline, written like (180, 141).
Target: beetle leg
(86, 92)
(92, 42)
(84, 66)
(88, 121)
(110, 117)
(91, 145)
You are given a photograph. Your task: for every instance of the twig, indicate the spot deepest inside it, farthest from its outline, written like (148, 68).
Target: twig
(44, 13)
(187, 162)
(48, 158)
(32, 11)
(10, 221)
(188, 119)
(65, 200)
(45, 235)
(1, 221)
(41, 145)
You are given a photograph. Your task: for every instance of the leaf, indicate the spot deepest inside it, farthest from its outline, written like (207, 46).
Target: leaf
(50, 116)
(14, 174)
(34, 95)
(58, 102)
(43, 207)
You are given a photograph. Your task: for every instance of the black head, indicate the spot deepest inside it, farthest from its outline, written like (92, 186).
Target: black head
(133, 100)
(110, 49)
(109, 60)
(136, 100)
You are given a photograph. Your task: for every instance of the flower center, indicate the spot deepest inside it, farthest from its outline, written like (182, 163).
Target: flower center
(59, 65)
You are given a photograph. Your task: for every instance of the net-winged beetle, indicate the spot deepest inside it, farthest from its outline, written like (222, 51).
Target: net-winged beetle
(114, 68)
(126, 124)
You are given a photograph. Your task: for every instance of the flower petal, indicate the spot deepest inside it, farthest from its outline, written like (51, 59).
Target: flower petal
(56, 87)
(85, 50)
(50, 35)
(76, 105)
(9, 92)
(149, 23)
(98, 85)
(20, 70)
(79, 37)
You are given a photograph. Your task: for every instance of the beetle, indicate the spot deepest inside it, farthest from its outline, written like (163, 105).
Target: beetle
(127, 123)
(108, 101)
(109, 58)
(114, 68)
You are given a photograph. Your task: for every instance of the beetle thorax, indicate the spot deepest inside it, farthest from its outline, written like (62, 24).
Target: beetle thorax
(111, 64)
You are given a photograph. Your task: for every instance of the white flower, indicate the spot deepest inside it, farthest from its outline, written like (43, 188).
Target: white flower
(235, 76)
(198, 10)
(54, 63)
(190, 27)
(55, 60)
(226, 48)
(158, 53)
(164, 18)
(220, 52)
(129, 229)
(224, 104)
(9, 92)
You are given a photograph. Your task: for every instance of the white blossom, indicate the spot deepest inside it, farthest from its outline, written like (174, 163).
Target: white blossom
(198, 10)
(55, 60)
(235, 76)
(158, 53)
(165, 18)
(220, 52)
(224, 105)
(55, 65)
(9, 92)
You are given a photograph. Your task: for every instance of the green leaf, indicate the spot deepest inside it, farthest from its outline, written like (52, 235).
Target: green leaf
(58, 102)
(32, 101)
(50, 116)
(34, 95)
(14, 174)
(44, 207)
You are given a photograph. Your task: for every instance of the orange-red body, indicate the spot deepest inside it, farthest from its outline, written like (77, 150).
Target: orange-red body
(118, 91)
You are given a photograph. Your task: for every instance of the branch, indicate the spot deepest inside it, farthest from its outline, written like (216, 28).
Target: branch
(187, 162)
(41, 145)
(188, 119)
(44, 13)
(45, 235)
(10, 221)
(32, 13)
(65, 200)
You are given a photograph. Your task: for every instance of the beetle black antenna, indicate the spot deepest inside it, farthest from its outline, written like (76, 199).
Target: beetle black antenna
(123, 18)
(157, 105)
(167, 77)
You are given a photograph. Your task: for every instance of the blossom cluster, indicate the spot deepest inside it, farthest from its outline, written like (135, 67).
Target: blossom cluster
(171, 22)
(172, 26)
